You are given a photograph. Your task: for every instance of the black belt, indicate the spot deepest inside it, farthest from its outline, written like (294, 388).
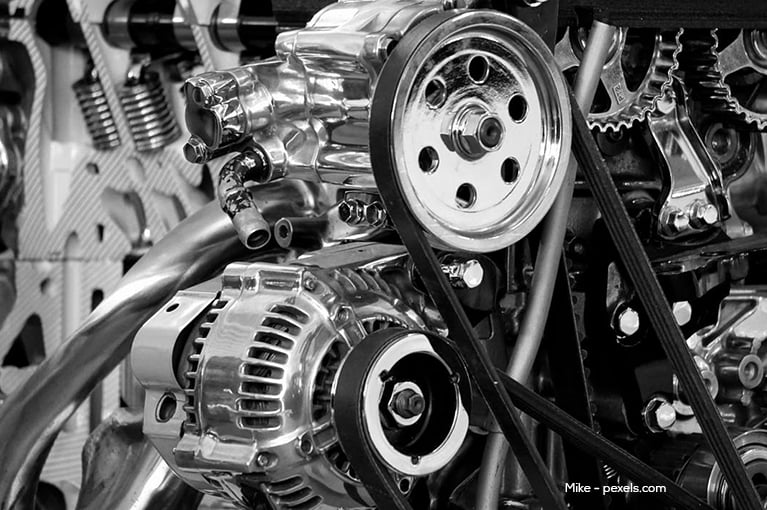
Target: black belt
(490, 383)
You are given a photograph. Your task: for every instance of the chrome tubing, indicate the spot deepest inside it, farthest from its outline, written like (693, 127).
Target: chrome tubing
(32, 416)
(546, 266)
(237, 202)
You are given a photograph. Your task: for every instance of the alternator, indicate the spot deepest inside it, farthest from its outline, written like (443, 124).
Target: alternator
(240, 385)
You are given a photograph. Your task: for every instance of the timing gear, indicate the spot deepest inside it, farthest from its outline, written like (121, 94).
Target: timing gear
(241, 383)
(638, 71)
(727, 70)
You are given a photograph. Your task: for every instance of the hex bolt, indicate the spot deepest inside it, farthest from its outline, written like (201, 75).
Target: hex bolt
(674, 221)
(703, 215)
(464, 275)
(659, 414)
(375, 214)
(195, 151)
(407, 403)
(682, 312)
(626, 322)
(352, 211)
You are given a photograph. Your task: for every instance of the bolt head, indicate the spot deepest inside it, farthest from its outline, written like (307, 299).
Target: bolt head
(665, 416)
(628, 321)
(708, 214)
(675, 221)
(473, 274)
(195, 151)
(682, 312)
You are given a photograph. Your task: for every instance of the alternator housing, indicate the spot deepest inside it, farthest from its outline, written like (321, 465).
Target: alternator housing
(239, 380)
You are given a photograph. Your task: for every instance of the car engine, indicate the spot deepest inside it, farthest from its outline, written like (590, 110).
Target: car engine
(383, 254)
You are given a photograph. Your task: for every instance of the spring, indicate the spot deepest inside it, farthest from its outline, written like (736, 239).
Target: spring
(150, 119)
(98, 116)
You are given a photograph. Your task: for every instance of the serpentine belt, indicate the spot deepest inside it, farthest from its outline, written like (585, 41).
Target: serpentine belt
(490, 383)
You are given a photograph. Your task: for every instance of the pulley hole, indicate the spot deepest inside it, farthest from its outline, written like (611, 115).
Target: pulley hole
(428, 160)
(166, 408)
(436, 93)
(465, 196)
(510, 170)
(517, 108)
(479, 68)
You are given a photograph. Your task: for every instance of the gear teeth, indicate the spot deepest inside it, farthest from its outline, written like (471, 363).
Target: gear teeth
(645, 99)
(702, 69)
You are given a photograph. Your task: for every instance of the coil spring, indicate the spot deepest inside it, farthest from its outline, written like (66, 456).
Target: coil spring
(98, 117)
(150, 119)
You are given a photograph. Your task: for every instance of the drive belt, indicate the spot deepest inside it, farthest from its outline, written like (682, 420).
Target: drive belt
(637, 265)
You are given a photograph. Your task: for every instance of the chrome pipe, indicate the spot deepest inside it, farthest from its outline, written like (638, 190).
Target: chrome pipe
(528, 342)
(34, 413)
(236, 200)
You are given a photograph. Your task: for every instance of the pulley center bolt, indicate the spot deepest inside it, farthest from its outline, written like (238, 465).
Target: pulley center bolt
(473, 132)
(408, 404)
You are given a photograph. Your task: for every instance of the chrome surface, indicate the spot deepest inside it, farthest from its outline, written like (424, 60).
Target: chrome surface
(695, 201)
(307, 108)
(35, 412)
(498, 174)
(237, 202)
(625, 105)
(123, 471)
(413, 346)
(702, 476)
(729, 353)
(253, 394)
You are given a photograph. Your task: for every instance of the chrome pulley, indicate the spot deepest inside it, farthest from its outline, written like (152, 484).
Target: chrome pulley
(703, 477)
(637, 72)
(409, 394)
(729, 71)
(479, 120)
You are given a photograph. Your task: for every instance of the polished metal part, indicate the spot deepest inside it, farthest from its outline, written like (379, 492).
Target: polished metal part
(307, 108)
(626, 106)
(98, 117)
(482, 142)
(253, 392)
(410, 348)
(701, 474)
(464, 274)
(696, 199)
(190, 253)
(150, 118)
(729, 353)
(237, 201)
(123, 471)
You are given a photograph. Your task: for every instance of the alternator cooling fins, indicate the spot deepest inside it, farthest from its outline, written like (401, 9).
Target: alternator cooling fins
(626, 105)
(726, 74)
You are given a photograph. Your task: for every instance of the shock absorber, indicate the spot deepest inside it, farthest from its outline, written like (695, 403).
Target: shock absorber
(98, 116)
(151, 121)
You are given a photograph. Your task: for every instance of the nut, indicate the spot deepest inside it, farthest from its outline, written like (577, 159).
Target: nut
(195, 151)
(703, 215)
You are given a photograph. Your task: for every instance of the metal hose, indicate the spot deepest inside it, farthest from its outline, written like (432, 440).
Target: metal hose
(32, 416)
(546, 266)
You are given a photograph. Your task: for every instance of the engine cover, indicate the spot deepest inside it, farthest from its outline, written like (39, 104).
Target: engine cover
(240, 380)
